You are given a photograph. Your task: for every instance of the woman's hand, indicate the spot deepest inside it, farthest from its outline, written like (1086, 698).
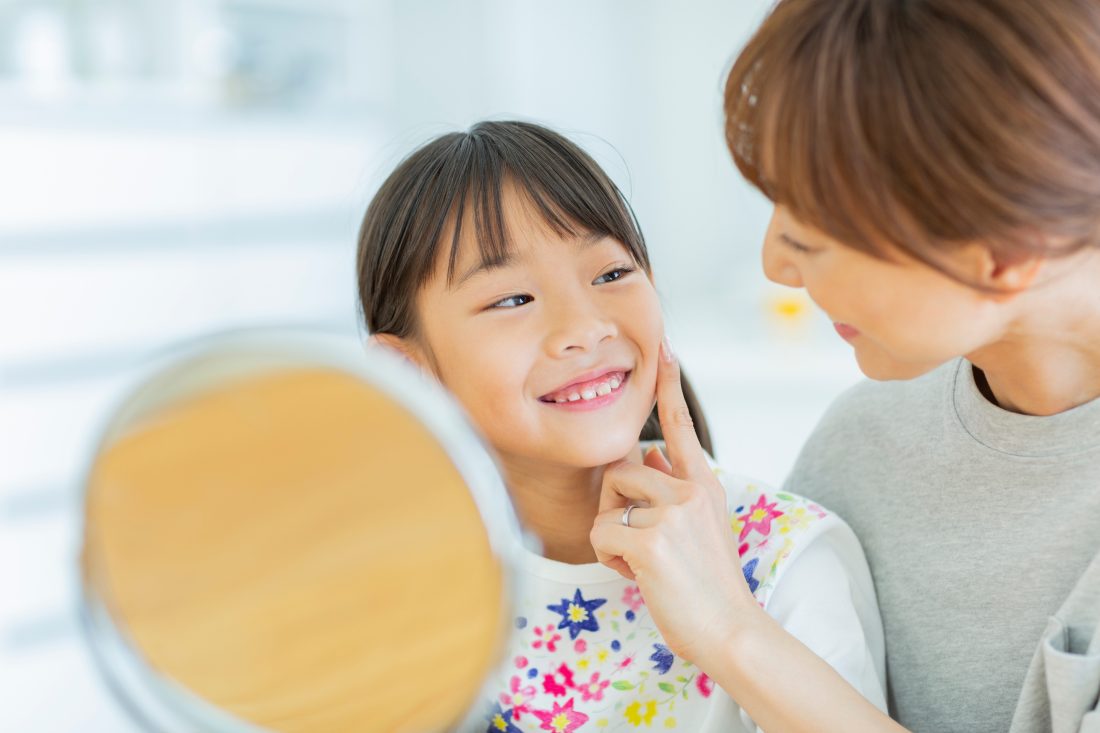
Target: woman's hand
(679, 546)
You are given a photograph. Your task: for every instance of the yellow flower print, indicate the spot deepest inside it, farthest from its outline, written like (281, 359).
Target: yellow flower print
(797, 518)
(635, 714)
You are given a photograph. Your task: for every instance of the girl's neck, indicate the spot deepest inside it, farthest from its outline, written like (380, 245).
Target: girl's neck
(558, 503)
(1048, 361)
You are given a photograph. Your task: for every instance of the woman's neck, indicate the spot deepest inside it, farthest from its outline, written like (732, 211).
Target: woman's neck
(1048, 360)
(558, 503)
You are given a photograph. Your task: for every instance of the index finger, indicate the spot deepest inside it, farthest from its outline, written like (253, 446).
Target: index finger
(686, 455)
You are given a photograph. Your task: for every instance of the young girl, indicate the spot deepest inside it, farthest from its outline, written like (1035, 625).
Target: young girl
(508, 265)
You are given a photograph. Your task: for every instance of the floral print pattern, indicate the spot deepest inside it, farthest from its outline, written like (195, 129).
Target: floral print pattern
(589, 657)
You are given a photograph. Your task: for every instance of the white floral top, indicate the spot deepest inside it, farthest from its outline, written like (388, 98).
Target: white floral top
(585, 655)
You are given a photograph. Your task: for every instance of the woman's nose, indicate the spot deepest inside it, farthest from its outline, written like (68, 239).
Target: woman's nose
(578, 327)
(779, 266)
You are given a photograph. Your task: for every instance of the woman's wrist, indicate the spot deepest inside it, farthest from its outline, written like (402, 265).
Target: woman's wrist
(730, 651)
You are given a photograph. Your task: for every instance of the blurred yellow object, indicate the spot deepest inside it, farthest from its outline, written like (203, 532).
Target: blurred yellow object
(297, 549)
(792, 307)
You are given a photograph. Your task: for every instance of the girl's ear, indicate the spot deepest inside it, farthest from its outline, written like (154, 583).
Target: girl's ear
(404, 348)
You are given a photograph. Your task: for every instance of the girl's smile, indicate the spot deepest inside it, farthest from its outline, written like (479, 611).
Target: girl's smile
(589, 393)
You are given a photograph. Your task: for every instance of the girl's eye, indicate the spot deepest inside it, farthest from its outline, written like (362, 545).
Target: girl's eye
(616, 274)
(512, 301)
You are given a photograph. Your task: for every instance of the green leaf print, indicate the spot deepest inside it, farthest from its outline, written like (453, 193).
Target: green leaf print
(623, 685)
(667, 687)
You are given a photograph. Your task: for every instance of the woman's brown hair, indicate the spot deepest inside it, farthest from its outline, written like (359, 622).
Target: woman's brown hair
(925, 124)
(408, 219)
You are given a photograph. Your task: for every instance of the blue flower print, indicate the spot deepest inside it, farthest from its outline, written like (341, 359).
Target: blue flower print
(748, 570)
(662, 657)
(577, 614)
(500, 721)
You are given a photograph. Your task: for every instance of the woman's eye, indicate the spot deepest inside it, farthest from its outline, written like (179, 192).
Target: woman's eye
(616, 274)
(795, 244)
(512, 301)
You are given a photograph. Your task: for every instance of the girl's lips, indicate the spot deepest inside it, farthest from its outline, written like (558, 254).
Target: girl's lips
(846, 332)
(615, 381)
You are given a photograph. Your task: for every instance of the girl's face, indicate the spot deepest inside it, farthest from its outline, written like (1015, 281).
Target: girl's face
(902, 317)
(554, 353)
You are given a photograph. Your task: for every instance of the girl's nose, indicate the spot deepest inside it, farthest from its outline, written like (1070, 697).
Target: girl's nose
(577, 328)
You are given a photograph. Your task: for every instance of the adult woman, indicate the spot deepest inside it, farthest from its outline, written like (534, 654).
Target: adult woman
(935, 167)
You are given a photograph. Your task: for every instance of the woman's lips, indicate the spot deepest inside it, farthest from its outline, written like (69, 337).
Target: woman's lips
(846, 332)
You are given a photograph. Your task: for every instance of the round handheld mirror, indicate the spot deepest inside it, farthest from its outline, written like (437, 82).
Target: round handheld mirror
(282, 533)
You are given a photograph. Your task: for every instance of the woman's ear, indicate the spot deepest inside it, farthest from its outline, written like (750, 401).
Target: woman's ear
(1006, 277)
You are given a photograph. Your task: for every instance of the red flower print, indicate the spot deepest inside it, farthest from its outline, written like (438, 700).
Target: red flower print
(759, 517)
(632, 597)
(518, 697)
(626, 662)
(561, 719)
(558, 681)
(593, 689)
(546, 635)
(704, 684)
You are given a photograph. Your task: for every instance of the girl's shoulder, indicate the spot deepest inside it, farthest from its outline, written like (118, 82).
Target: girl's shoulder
(772, 528)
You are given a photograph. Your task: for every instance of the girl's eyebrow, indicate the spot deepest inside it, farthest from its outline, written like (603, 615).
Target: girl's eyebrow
(586, 241)
(481, 267)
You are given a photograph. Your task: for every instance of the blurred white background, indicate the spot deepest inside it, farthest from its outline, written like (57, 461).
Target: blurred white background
(173, 167)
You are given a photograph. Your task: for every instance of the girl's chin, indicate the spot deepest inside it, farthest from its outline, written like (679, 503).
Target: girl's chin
(608, 450)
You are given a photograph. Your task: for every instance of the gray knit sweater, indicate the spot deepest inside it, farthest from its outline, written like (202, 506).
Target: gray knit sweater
(982, 531)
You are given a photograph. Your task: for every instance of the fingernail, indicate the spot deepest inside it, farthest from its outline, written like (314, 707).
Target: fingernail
(666, 350)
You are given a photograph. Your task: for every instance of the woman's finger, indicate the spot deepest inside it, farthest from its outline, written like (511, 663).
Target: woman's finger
(630, 483)
(686, 456)
(611, 540)
(640, 517)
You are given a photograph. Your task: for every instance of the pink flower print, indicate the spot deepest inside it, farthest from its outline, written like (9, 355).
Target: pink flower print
(561, 718)
(518, 697)
(632, 597)
(580, 645)
(759, 517)
(546, 635)
(626, 662)
(593, 689)
(704, 684)
(558, 681)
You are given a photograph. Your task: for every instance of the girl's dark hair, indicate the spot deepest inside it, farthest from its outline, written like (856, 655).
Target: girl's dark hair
(433, 189)
(926, 124)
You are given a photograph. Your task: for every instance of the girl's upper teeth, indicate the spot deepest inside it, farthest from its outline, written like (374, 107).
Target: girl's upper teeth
(590, 391)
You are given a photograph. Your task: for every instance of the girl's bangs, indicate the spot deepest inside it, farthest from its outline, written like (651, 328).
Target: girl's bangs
(563, 186)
